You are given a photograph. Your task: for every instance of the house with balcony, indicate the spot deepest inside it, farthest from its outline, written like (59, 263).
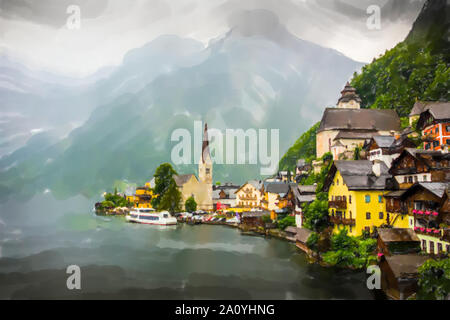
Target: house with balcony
(249, 195)
(224, 196)
(302, 170)
(296, 198)
(434, 122)
(415, 165)
(356, 192)
(396, 211)
(428, 207)
(142, 197)
(387, 148)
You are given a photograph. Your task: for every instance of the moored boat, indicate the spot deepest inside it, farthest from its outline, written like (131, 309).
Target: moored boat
(151, 216)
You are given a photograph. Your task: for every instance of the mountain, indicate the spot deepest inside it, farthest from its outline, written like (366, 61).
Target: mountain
(417, 68)
(258, 75)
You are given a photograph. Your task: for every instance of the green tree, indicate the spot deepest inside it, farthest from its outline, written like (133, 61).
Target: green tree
(312, 241)
(171, 199)
(316, 215)
(163, 181)
(434, 280)
(190, 205)
(287, 221)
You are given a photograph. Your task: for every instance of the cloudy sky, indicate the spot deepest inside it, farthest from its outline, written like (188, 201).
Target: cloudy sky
(36, 32)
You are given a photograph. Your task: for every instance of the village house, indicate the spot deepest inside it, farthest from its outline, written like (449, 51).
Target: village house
(428, 207)
(396, 211)
(387, 148)
(302, 170)
(272, 192)
(399, 274)
(435, 125)
(301, 239)
(249, 195)
(415, 165)
(356, 195)
(392, 241)
(295, 200)
(224, 196)
(142, 197)
(353, 125)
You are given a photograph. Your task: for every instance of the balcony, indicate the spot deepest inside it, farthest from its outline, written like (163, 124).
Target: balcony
(343, 221)
(396, 209)
(337, 204)
(248, 198)
(425, 214)
(428, 232)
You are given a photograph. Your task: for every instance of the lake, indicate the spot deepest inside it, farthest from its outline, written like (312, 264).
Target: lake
(119, 260)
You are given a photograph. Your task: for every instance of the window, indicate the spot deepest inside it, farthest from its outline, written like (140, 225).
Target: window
(435, 143)
(447, 128)
(439, 247)
(367, 199)
(381, 216)
(367, 215)
(337, 182)
(207, 170)
(350, 199)
(410, 180)
(405, 180)
(437, 130)
(432, 247)
(380, 199)
(424, 178)
(424, 245)
(416, 179)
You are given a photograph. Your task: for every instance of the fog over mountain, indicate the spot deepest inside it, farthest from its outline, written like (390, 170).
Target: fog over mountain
(258, 75)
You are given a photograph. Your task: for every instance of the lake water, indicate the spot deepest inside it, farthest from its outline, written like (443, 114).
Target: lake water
(129, 261)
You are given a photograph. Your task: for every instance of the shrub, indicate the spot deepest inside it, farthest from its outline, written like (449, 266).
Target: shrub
(286, 222)
(434, 280)
(312, 241)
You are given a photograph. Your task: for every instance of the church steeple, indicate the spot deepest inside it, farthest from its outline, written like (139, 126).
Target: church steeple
(205, 164)
(349, 98)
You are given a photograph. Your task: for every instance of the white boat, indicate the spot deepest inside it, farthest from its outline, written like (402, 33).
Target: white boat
(151, 216)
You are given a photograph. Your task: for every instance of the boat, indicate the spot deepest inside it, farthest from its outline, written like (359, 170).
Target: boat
(151, 216)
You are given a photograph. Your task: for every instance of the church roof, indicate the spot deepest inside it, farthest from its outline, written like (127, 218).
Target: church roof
(181, 179)
(360, 119)
(348, 94)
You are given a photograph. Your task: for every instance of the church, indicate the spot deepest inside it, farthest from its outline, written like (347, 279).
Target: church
(347, 126)
(199, 188)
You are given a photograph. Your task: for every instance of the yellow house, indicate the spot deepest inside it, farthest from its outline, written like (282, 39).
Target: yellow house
(249, 195)
(356, 195)
(143, 197)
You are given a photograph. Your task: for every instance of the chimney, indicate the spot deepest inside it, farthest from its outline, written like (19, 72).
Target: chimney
(376, 168)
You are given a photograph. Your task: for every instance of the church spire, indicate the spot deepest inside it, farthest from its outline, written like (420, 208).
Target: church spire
(205, 145)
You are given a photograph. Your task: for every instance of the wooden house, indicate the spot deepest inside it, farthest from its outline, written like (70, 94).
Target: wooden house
(392, 241)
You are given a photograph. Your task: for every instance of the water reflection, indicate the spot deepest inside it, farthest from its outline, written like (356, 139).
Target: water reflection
(131, 261)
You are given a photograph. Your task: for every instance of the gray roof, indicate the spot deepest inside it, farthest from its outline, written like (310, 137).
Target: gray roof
(397, 235)
(291, 230)
(307, 189)
(419, 107)
(303, 235)
(306, 198)
(395, 194)
(360, 119)
(277, 187)
(355, 134)
(437, 188)
(384, 141)
(436, 107)
(358, 175)
(256, 183)
(440, 110)
(301, 162)
(406, 265)
(230, 192)
(181, 179)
